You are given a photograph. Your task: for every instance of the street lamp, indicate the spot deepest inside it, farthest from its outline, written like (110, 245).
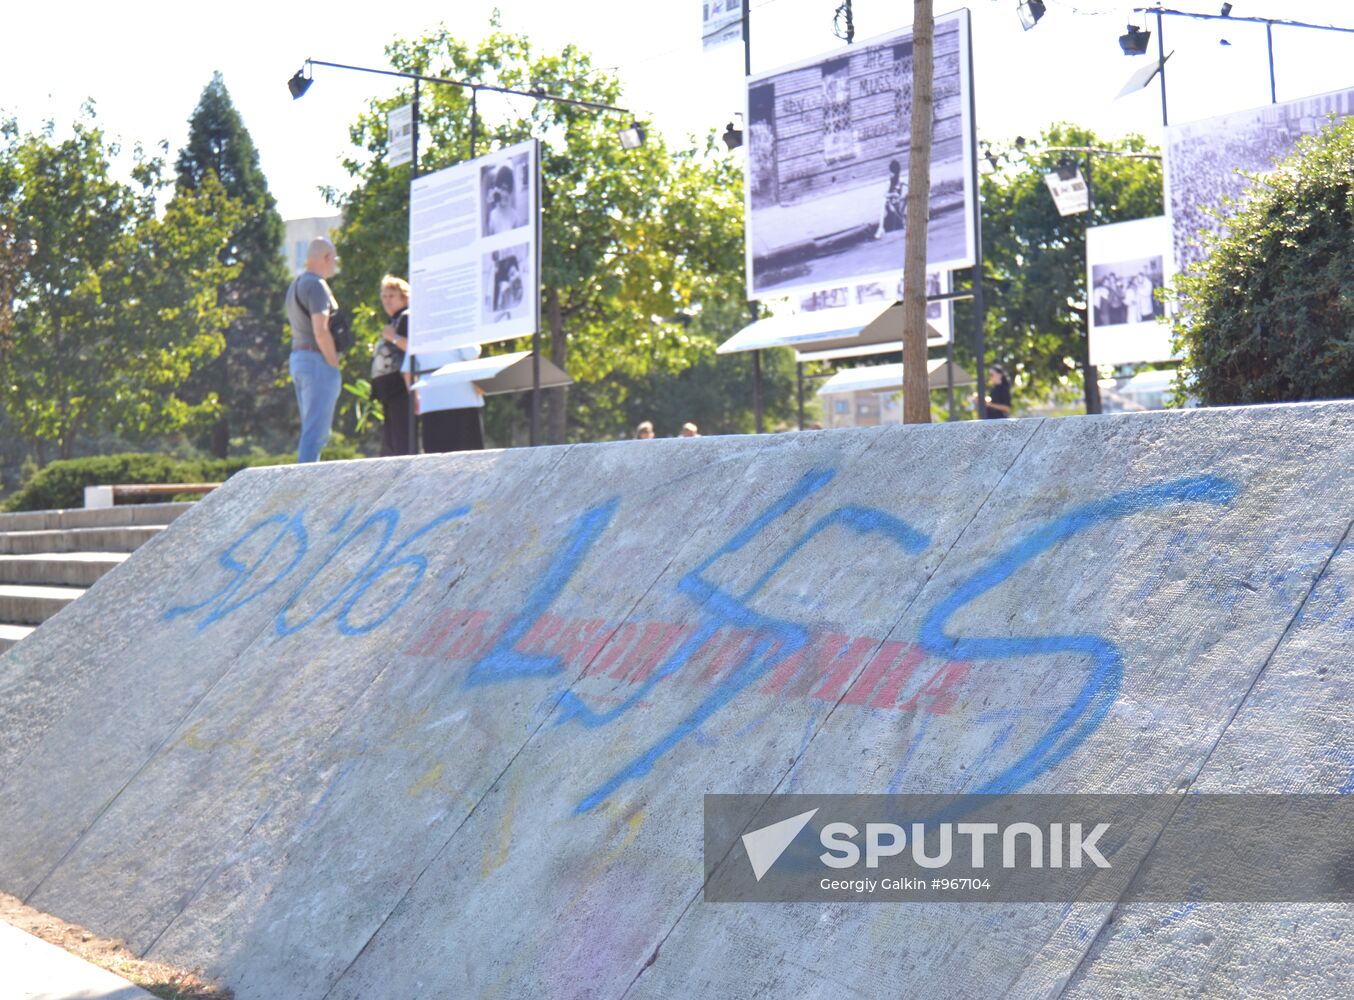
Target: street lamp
(632, 137)
(1134, 41)
(299, 83)
(1030, 12)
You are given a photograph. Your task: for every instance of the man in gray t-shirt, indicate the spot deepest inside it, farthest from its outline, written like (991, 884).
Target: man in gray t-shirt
(314, 362)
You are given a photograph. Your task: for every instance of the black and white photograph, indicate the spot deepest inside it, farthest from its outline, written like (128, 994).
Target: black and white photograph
(1210, 161)
(1125, 291)
(473, 239)
(826, 169)
(506, 274)
(1126, 266)
(505, 192)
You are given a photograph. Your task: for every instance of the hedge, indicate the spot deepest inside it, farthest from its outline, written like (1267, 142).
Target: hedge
(62, 484)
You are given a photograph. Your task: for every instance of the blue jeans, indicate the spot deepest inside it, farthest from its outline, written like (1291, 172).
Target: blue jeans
(317, 386)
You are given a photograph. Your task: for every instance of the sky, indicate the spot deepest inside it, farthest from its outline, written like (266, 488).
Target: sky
(145, 65)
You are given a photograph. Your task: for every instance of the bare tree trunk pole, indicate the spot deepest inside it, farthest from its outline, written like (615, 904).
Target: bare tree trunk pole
(916, 395)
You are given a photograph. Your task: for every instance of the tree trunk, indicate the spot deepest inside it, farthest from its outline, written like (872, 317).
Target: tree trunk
(557, 417)
(916, 395)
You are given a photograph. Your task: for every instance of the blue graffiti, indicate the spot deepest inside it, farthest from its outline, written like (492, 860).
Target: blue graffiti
(225, 600)
(504, 662)
(383, 560)
(1070, 729)
(775, 639)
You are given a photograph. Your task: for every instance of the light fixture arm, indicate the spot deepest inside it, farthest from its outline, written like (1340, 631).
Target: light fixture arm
(538, 95)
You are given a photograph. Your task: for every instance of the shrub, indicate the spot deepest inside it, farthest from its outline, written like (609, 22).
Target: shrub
(1268, 316)
(62, 484)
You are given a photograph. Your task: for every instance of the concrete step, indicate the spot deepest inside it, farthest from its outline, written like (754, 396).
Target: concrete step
(11, 634)
(117, 539)
(107, 517)
(24, 605)
(63, 569)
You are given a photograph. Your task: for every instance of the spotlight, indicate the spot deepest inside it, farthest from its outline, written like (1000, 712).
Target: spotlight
(1226, 10)
(632, 137)
(1030, 12)
(298, 84)
(1067, 170)
(1134, 42)
(733, 137)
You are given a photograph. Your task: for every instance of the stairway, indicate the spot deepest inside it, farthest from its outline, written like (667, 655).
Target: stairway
(48, 558)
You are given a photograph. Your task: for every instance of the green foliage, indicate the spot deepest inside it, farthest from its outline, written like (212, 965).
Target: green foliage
(247, 376)
(633, 239)
(1268, 315)
(116, 306)
(1035, 259)
(61, 484)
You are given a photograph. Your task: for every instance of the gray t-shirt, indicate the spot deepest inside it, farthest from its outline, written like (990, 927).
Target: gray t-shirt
(314, 291)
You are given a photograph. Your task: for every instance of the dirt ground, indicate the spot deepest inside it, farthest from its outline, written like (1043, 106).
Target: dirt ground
(164, 981)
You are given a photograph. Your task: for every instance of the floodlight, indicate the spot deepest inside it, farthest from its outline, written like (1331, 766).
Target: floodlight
(632, 137)
(733, 137)
(1067, 170)
(1134, 42)
(1030, 12)
(1226, 10)
(299, 83)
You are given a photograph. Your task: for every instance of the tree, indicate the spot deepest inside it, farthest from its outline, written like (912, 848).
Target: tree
(1267, 315)
(117, 307)
(916, 397)
(634, 240)
(1035, 259)
(246, 375)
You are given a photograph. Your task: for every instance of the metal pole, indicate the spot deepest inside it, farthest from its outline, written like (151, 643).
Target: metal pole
(757, 388)
(949, 373)
(979, 309)
(1269, 37)
(413, 361)
(474, 119)
(1161, 56)
(536, 387)
(799, 379)
(535, 437)
(747, 39)
(1088, 373)
(752, 305)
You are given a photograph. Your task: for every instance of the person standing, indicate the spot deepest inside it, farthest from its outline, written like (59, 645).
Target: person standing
(999, 400)
(389, 383)
(451, 412)
(314, 361)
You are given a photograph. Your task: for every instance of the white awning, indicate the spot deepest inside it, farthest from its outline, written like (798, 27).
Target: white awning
(891, 377)
(856, 351)
(497, 374)
(822, 326)
(888, 325)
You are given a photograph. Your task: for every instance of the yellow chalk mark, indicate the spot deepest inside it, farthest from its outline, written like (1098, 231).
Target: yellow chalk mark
(428, 781)
(496, 854)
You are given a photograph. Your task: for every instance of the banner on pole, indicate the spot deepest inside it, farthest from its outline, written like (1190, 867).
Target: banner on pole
(474, 251)
(827, 150)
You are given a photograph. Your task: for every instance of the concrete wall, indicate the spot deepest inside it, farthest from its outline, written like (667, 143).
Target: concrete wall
(440, 727)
